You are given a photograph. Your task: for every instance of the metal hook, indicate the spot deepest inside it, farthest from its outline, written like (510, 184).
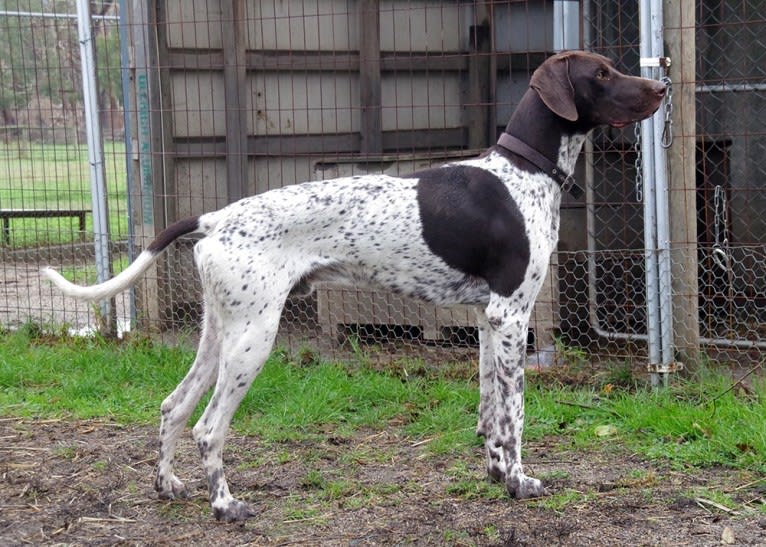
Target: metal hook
(720, 258)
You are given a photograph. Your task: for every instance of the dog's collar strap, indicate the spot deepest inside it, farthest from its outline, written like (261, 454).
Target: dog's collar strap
(517, 146)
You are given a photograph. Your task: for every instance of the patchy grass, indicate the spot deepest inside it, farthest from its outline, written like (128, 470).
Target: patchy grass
(469, 484)
(558, 502)
(697, 422)
(51, 376)
(361, 462)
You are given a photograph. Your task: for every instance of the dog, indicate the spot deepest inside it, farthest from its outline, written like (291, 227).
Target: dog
(479, 232)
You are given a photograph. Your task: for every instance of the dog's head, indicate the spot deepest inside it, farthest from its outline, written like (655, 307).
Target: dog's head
(585, 89)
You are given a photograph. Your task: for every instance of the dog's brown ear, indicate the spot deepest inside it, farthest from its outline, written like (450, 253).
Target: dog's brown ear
(552, 83)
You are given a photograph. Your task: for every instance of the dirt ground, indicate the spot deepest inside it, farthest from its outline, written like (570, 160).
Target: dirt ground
(90, 483)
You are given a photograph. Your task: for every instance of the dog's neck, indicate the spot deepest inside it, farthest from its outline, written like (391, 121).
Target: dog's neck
(569, 149)
(546, 132)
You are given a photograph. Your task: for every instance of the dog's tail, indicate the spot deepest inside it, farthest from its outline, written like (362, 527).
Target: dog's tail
(131, 274)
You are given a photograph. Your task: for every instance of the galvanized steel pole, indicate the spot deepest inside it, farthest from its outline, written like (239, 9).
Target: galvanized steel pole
(95, 157)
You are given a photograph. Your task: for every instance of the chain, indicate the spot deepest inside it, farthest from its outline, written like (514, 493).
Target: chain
(667, 129)
(638, 163)
(720, 218)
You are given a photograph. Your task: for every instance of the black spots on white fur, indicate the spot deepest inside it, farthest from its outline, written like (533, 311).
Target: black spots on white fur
(520, 383)
(203, 448)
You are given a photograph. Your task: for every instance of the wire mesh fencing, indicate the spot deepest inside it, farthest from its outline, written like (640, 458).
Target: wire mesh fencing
(45, 188)
(235, 99)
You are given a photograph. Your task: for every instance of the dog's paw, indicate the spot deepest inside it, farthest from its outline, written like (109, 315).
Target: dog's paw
(523, 487)
(233, 511)
(169, 489)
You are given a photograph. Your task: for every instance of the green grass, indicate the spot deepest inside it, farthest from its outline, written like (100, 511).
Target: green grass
(49, 176)
(693, 423)
(90, 377)
(86, 378)
(688, 424)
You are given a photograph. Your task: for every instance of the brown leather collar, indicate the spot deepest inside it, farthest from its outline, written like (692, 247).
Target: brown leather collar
(517, 146)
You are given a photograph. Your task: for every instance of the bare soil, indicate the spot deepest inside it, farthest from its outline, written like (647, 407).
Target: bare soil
(90, 483)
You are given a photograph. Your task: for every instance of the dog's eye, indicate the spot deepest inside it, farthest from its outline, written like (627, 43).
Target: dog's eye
(602, 74)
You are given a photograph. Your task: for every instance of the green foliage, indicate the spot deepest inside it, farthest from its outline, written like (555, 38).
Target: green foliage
(45, 375)
(289, 402)
(40, 57)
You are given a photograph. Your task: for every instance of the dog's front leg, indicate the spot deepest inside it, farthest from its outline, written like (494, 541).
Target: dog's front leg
(508, 322)
(486, 375)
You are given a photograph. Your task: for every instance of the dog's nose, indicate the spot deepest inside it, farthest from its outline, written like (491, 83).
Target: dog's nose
(660, 89)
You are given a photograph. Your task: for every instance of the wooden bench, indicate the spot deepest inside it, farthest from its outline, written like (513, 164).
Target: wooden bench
(7, 214)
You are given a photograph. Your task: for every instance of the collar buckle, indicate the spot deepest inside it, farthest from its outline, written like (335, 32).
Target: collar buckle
(570, 186)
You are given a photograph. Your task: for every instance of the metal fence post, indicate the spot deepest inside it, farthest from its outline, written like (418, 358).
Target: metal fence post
(127, 120)
(656, 212)
(96, 161)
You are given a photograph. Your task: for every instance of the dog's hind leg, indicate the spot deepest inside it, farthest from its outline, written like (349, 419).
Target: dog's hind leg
(179, 405)
(246, 344)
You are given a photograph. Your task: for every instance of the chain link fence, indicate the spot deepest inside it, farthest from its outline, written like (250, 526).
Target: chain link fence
(227, 103)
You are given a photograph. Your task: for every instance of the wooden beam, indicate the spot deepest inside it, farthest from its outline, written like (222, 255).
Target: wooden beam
(679, 36)
(235, 91)
(312, 145)
(319, 61)
(477, 108)
(370, 93)
(154, 206)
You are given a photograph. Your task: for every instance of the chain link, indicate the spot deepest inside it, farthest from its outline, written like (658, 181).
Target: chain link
(720, 219)
(667, 129)
(638, 163)
(666, 141)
